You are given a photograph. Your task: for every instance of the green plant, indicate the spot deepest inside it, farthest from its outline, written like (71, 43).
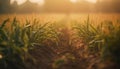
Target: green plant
(102, 39)
(17, 40)
(91, 35)
(13, 46)
(111, 49)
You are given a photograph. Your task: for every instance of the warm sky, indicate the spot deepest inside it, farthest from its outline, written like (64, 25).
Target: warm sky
(35, 1)
(42, 1)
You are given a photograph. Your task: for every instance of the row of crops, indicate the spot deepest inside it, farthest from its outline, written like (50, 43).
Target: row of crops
(102, 39)
(17, 40)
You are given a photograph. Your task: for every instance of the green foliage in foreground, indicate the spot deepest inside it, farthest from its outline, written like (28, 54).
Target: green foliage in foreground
(17, 40)
(91, 35)
(102, 39)
(111, 49)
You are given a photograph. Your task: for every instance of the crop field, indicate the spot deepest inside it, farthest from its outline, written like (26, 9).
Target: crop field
(59, 41)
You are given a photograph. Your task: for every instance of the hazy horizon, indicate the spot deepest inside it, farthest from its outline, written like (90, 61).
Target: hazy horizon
(59, 6)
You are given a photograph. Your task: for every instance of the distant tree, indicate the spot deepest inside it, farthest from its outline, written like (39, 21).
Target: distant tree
(109, 5)
(4, 6)
(14, 7)
(98, 6)
(116, 4)
(57, 5)
(28, 7)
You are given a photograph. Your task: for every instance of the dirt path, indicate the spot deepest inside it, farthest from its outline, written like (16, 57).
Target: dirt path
(68, 54)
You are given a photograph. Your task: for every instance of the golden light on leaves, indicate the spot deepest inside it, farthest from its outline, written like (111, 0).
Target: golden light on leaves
(1, 56)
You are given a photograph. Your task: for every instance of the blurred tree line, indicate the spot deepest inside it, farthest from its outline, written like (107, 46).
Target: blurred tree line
(65, 6)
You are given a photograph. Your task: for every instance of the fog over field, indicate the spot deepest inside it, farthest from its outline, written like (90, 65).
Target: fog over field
(59, 6)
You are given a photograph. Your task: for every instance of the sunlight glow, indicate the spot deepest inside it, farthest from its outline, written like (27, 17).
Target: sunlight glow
(34, 1)
(18, 1)
(41, 2)
(74, 1)
(92, 1)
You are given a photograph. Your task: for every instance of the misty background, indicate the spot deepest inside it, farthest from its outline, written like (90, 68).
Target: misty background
(60, 6)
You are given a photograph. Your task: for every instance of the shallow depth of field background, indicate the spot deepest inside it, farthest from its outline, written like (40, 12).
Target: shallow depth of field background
(59, 34)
